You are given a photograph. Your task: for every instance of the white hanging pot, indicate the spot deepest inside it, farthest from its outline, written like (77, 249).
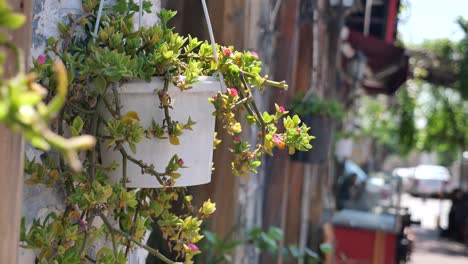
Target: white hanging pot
(196, 146)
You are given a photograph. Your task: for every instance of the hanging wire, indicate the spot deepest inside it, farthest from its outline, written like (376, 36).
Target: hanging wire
(98, 20)
(140, 14)
(213, 43)
(210, 29)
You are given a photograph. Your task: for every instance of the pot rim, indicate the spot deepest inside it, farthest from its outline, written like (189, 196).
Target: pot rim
(205, 84)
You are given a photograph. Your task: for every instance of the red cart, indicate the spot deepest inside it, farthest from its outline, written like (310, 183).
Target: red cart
(375, 229)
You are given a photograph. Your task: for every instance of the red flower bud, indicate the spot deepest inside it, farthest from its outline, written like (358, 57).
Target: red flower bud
(281, 109)
(233, 92)
(227, 52)
(236, 139)
(41, 59)
(180, 162)
(192, 247)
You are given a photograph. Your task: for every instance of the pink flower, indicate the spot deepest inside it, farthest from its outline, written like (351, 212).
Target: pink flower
(215, 97)
(277, 140)
(227, 52)
(41, 59)
(180, 162)
(233, 92)
(254, 54)
(236, 139)
(281, 109)
(298, 131)
(193, 247)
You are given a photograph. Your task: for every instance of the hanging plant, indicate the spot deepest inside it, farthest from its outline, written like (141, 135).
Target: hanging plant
(320, 115)
(304, 105)
(107, 61)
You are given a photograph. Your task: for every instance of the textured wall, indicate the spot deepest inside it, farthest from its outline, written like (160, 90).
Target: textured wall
(38, 200)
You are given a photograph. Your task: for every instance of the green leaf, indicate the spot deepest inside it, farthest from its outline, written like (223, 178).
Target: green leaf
(326, 247)
(29, 98)
(101, 84)
(311, 253)
(275, 233)
(295, 252)
(78, 124)
(227, 257)
(168, 54)
(255, 164)
(232, 244)
(51, 41)
(211, 237)
(12, 21)
(132, 147)
(175, 175)
(271, 243)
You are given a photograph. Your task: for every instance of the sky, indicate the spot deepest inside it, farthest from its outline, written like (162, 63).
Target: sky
(430, 19)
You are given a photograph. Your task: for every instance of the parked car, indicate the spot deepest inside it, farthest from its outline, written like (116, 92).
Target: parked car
(429, 181)
(406, 175)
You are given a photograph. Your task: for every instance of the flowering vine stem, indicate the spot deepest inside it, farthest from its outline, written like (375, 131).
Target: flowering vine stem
(164, 98)
(147, 168)
(90, 218)
(135, 215)
(115, 111)
(118, 106)
(129, 237)
(267, 81)
(112, 233)
(94, 131)
(243, 101)
(254, 106)
(124, 172)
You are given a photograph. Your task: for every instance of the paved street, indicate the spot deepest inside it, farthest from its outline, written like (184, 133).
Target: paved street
(430, 249)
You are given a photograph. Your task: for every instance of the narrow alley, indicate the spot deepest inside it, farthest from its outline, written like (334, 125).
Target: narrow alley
(429, 247)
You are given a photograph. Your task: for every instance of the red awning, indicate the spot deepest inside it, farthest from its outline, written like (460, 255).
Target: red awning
(387, 65)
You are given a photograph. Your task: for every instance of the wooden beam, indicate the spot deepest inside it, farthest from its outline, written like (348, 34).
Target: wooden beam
(11, 156)
(280, 176)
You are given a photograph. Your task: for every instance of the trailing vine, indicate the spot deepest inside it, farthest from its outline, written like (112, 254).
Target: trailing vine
(21, 105)
(97, 64)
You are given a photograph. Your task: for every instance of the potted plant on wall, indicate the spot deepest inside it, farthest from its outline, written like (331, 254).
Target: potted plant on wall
(320, 115)
(130, 87)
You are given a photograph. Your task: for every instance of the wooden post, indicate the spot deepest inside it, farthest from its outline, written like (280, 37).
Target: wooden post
(311, 171)
(11, 156)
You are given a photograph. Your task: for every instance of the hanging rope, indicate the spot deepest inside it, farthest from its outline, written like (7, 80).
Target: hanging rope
(98, 20)
(213, 43)
(140, 14)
